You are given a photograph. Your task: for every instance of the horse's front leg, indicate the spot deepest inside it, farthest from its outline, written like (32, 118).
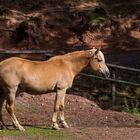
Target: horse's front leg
(59, 107)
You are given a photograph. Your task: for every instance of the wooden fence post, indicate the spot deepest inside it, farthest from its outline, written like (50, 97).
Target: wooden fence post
(113, 88)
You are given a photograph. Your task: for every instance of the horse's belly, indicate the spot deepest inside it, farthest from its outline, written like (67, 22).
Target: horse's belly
(38, 88)
(36, 91)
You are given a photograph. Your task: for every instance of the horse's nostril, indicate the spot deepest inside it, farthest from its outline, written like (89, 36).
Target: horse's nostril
(105, 73)
(108, 74)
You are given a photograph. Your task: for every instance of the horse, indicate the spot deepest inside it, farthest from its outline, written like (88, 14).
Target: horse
(40, 77)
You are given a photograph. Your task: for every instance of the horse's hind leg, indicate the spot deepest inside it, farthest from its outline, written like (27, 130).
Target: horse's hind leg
(2, 99)
(10, 108)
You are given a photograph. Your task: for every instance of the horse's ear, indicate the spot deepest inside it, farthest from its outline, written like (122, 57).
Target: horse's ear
(98, 49)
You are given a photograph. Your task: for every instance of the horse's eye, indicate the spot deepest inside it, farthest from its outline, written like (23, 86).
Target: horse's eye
(99, 60)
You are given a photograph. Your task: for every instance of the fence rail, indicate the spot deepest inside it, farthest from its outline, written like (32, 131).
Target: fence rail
(124, 68)
(46, 52)
(110, 79)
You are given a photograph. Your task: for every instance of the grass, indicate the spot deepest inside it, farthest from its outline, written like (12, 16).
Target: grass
(135, 111)
(97, 18)
(33, 133)
(104, 98)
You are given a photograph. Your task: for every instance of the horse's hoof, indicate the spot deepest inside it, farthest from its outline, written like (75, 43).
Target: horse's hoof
(65, 125)
(3, 126)
(20, 128)
(55, 127)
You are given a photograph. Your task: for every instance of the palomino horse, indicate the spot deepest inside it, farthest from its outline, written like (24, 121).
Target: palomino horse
(35, 77)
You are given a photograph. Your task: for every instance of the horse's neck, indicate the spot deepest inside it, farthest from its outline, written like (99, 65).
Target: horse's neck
(79, 61)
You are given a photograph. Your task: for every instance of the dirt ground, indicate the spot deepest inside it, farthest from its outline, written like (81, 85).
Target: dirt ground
(86, 119)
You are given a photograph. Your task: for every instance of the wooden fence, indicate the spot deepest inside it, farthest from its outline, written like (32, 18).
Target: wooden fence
(113, 80)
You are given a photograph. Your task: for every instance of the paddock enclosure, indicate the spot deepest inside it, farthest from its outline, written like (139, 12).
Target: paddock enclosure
(29, 106)
(96, 108)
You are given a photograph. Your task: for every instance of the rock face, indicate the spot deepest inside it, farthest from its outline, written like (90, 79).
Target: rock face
(69, 25)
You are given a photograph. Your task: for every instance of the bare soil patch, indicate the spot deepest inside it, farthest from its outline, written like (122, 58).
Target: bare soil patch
(86, 119)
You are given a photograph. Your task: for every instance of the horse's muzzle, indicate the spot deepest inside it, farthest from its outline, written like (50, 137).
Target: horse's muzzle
(106, 73)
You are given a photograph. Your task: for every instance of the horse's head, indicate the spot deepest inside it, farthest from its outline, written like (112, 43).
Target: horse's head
(97, 62)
